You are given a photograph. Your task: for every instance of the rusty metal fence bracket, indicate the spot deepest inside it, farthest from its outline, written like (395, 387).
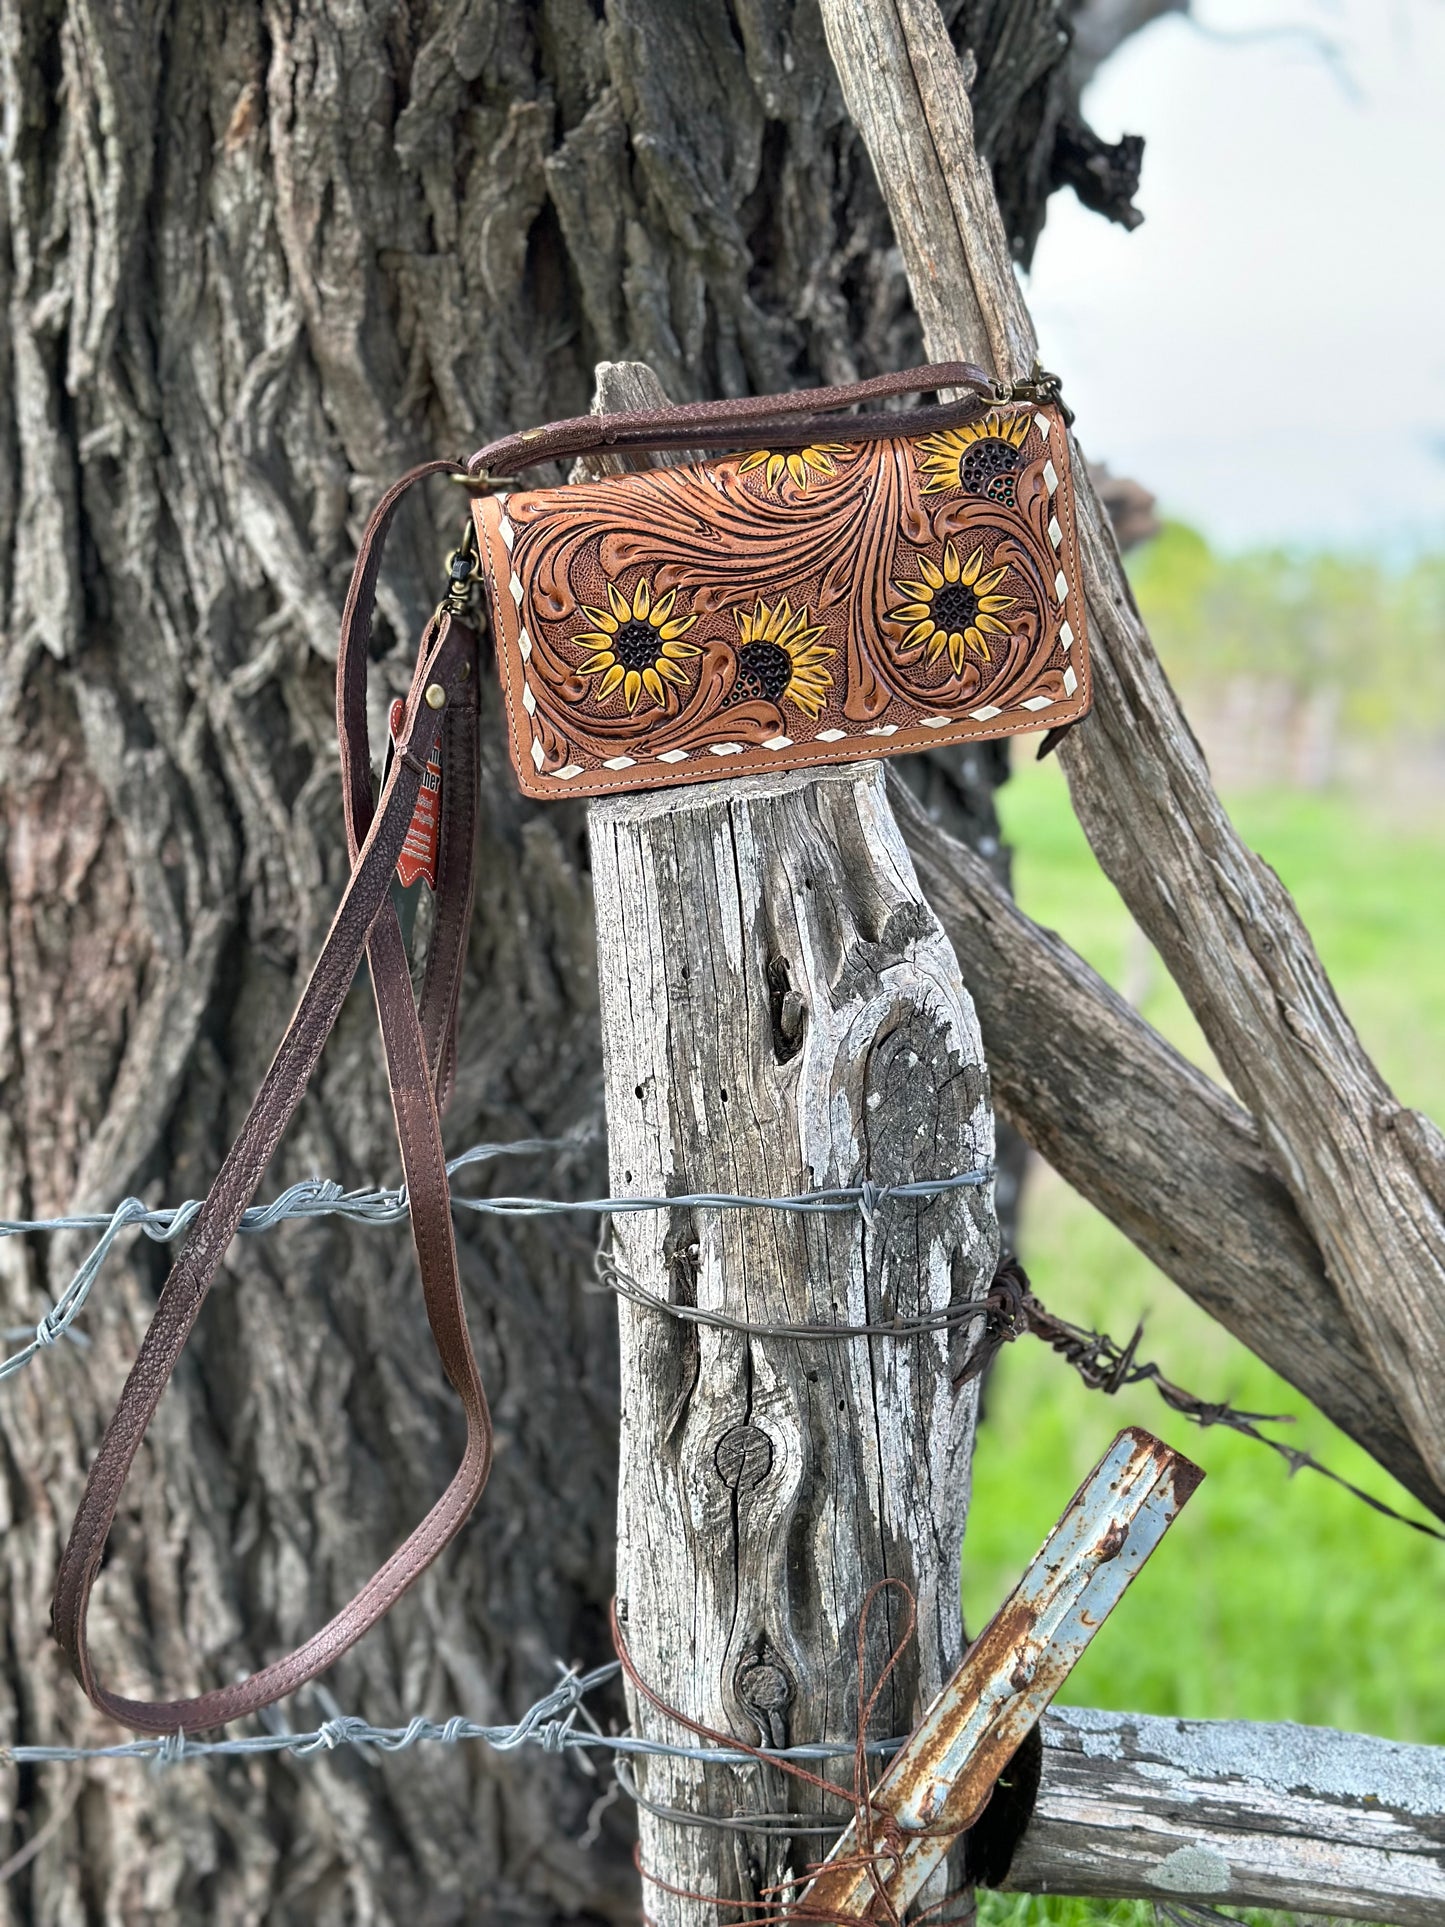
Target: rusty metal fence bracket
(938, 1785)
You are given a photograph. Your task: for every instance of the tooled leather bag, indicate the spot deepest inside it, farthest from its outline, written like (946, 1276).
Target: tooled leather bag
(833, 587)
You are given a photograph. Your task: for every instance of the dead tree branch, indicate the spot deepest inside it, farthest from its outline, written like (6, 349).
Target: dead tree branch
(1154, 1144)
(1366, 1174)
(1229, 1811)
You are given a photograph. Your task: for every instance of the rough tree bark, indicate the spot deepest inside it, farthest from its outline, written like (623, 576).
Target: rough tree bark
(255, 260)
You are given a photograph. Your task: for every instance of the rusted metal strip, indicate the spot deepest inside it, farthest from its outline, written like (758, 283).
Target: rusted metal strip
(939, 1784)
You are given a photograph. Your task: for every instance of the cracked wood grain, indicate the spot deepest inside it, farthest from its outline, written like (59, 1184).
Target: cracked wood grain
(1366, 1174)
(1238, 1813)
(781, 1011)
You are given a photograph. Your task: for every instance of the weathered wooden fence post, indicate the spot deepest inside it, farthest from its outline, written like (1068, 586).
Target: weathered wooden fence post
(781, 1011)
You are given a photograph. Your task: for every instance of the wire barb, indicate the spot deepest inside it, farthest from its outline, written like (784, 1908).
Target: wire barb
(325, 1198)
(550, 1723)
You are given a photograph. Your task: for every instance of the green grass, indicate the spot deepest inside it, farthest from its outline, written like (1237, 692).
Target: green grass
(1057, 1910)
(1272, 1598)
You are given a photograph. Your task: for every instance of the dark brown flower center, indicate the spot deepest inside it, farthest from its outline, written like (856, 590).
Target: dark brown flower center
(984, 460)
(637, 645)
(763, 672)
(954, 608)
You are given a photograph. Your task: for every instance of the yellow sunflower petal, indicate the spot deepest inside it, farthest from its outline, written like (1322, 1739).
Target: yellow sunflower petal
(910, 611)
(798, 469)
(971, 568)
(641, 599)
(755, 460)
(679, 626)
(594, 639)
(652, 683)
(986, 584)
(990, 625)
(776, 465)
(620, 607)
(662, 607)
(676, 651)
(597, 664)
(668, 669)
(951, 564)
(610, 681)
(920, 632)
(976, 641)
(631, 689)
(937, 646)
(930, 572)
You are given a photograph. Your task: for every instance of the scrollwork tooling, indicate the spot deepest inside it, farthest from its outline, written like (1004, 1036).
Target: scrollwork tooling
(840, 599)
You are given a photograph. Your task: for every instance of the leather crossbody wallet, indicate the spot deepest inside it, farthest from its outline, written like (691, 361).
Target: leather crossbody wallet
(841, 588)
(826, 586)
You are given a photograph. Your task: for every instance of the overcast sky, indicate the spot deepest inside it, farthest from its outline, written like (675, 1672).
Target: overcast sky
(1267, 352)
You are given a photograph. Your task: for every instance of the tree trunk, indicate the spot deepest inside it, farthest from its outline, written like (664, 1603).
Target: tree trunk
(256, 260)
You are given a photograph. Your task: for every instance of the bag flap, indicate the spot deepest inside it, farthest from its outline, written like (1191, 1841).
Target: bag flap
(789, 607)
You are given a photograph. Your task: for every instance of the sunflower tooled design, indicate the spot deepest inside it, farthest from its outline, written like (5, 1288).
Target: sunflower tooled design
(801, 464)
(637, 645)
(780, 658)
(981, 457)
(953, 608)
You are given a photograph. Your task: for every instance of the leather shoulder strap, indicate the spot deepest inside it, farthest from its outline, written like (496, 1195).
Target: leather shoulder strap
(441, 710)
(779, 420)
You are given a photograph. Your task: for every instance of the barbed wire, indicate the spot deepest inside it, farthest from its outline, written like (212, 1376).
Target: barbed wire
(1010, 1309)
(560, 1721)
(324, 1198)
(551, 1723)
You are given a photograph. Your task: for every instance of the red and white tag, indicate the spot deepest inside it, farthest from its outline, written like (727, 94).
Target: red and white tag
(419, 852)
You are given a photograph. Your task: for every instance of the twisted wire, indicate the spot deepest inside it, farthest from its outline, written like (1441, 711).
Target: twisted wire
(550, 1723)
(324, 1198)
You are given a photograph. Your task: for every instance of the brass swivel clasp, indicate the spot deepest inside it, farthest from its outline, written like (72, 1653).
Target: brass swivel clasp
(1041, 386)
(463, 571)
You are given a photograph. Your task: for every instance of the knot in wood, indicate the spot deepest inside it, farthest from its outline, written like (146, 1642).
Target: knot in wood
(743, 1456)
(764, 1686)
